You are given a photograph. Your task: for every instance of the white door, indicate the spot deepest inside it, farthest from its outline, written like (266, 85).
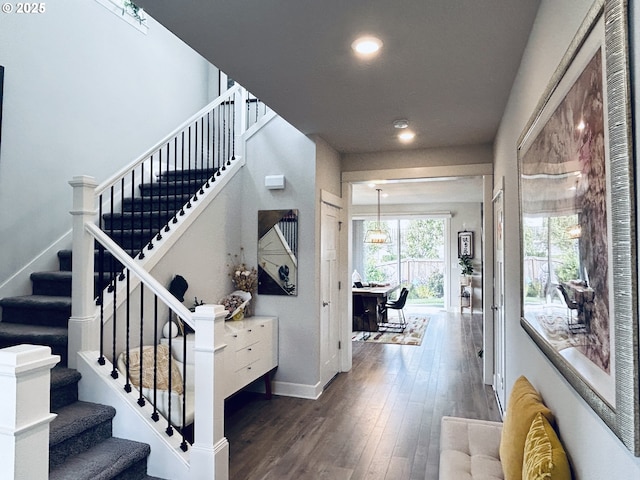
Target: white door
(329, 295)
(498, 299)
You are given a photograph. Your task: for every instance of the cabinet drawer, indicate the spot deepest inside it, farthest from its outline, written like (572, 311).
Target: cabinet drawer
(248, 374)
(246, 355)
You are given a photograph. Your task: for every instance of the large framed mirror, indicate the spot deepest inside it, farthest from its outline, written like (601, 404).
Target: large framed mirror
(278, 252)
(577, 221)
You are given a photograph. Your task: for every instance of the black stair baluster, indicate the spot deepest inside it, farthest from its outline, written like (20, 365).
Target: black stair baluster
(127, 383)
(169, 430)
(101, 359)
(114, 371)
(208, 148)
(183, 445)
(121, 276)
(182, 176)
(219, 143)
(112, 284)
(195, 163)
(168, 199)
(132, 227)
(213, 145)
(189, 165)
(229, 129)
(151, 207)
(154, 416)
(141, 401)
(133, 203)
(175, 178)
(202, 167)
(224, 136)
(159, 234)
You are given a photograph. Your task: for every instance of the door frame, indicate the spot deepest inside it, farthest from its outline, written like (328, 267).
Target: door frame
(346, 237)
(497, 307)
(328, 198)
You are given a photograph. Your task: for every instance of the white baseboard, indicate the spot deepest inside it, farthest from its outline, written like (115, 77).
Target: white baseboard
(298, 390)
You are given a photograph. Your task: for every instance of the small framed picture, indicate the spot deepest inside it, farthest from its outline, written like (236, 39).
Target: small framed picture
(465, 244)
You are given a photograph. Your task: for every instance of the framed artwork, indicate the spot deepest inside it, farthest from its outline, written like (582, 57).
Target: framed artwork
(578, 245)
(1, 94)
(277, 252)
(465, 244)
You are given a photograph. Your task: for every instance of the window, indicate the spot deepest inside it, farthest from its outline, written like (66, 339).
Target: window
(415, 258)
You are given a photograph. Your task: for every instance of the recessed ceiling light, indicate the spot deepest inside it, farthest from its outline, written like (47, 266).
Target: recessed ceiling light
(406, 136)
(366, 46)
(401, 123)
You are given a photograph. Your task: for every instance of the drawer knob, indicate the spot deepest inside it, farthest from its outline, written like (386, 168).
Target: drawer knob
(249, 349)
(249, 330)
(235, 335)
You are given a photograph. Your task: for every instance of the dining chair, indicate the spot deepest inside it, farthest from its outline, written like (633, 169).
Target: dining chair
(398, 305)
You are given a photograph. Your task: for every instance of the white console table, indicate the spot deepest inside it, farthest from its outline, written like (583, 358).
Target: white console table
(251, 352)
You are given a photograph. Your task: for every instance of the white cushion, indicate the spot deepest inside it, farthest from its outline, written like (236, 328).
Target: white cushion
(470, 449)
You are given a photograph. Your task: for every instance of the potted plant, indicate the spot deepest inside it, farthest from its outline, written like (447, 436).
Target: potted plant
(466, 266)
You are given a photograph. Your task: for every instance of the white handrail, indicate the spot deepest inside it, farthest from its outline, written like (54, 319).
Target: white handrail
(118, 175)
(156, 287)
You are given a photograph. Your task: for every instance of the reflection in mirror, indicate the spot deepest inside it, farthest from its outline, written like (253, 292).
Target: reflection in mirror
(277, 252)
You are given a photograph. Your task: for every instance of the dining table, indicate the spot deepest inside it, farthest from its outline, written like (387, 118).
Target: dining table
(369, 305)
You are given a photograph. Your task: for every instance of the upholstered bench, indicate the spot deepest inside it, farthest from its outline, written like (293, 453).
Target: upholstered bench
(525, 447)
(470, 449)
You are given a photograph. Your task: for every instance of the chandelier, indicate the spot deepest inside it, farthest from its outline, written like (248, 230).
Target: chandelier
(378, 234)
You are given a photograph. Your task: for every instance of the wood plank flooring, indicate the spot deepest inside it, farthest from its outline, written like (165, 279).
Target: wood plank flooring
(379, 421)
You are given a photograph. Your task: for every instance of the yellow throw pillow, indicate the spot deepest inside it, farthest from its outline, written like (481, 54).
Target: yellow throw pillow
(523, 405)
(544, 456)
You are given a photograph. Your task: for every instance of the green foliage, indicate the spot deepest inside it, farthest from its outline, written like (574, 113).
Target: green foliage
(466, 265)
(568, 269)
(534, 289)
(423, 238)
(435, 284)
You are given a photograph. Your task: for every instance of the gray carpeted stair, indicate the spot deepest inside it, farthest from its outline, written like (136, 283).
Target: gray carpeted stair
(41, 318)
(81, 445)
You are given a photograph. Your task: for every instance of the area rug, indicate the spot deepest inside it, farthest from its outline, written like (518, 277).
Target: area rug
(412, 335)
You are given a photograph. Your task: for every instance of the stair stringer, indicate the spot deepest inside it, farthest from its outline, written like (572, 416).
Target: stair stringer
(166, 459)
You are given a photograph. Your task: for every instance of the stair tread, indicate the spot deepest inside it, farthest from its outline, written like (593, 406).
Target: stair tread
(54, 274)
(77, 417)
(34, 334)
(37, 301)
(103, 461)
(62, 376)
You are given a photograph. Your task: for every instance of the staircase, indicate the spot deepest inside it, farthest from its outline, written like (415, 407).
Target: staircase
(81, 445)
(80, 441)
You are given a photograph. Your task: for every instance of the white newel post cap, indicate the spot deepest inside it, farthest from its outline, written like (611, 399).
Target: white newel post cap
(25, 416)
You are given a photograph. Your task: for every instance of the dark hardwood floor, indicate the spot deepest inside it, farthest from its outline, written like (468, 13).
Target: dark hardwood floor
(380, 421)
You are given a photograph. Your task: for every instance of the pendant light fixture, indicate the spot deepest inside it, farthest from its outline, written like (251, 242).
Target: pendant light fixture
(378, 234)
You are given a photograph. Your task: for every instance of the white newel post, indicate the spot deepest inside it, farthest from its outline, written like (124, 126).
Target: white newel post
(241, 127)
(210, 450)
(83, 324)
(25, 416)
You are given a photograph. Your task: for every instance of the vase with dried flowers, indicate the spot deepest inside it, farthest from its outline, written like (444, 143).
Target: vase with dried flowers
(243, 277)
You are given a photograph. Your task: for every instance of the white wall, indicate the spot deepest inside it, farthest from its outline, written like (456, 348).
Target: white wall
(279, 148)
(465, 155)
(594, 451)
(84, 94)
